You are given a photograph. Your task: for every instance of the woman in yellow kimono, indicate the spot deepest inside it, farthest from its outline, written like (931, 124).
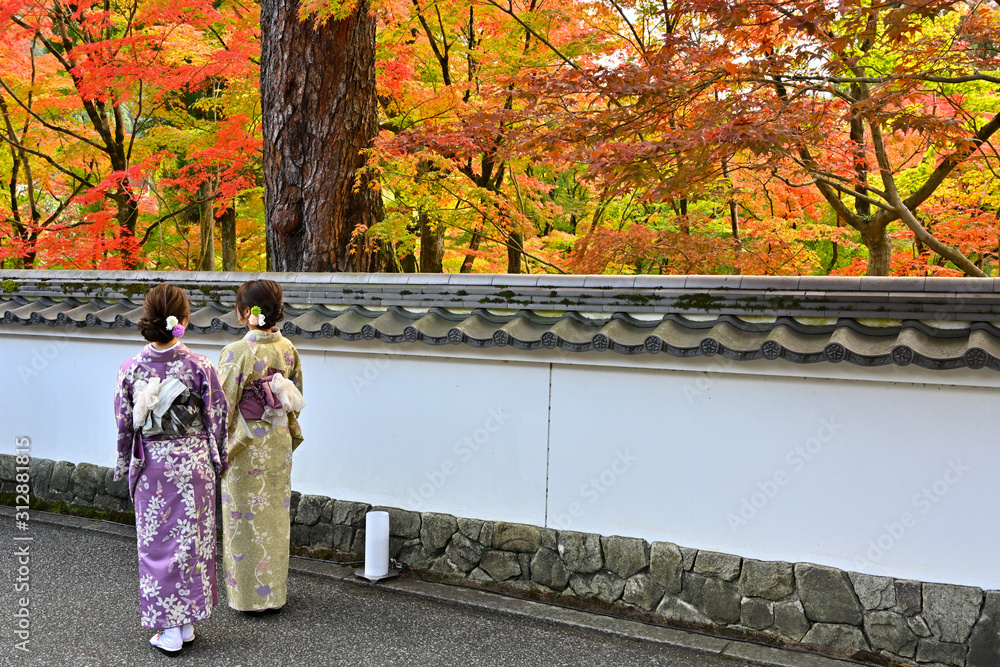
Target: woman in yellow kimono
(262, 379)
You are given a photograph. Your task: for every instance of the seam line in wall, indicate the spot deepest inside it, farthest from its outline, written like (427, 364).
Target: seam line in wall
(548, 438)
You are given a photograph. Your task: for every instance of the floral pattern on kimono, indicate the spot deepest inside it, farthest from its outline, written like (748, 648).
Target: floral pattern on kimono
(173, 479)
(256, 492)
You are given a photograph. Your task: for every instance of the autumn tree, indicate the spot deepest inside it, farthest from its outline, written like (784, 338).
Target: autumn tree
(826, 97)
(97, 102)
(447, 93)
(320, 116)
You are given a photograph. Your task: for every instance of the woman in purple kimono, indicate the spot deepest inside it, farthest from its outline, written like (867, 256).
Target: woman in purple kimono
(172, 445)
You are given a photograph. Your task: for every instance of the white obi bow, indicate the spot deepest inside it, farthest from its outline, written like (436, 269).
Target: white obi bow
(288, 395)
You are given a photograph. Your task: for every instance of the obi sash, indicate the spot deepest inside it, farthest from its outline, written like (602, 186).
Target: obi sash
(270, 398)
(163, 409)
(167, 408)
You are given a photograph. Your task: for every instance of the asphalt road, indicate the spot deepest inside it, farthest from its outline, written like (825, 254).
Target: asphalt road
(84, 610)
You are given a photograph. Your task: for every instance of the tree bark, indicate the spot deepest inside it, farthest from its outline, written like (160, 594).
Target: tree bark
(206, 225)
(477, 237)
(879, 251)
(319, 112)
(431, 245)
(227, 227)
(515, 246)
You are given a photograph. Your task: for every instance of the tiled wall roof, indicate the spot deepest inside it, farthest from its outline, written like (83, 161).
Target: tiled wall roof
(938, 323)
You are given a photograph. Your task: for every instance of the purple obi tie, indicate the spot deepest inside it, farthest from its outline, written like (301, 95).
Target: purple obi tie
(257, 396)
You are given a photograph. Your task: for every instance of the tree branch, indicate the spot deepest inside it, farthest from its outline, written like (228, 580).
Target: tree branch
(946, 251)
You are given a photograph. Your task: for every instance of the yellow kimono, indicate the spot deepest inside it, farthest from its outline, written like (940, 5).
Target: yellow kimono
(256, 491)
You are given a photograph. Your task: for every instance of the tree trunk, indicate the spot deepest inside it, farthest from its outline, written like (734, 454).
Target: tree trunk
(227, 227)
(431, 246)
(319, 112)
(879, 252)
(515, 247)
(473, 245)
(206, 224)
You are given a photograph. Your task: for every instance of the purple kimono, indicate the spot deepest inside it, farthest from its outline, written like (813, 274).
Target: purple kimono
(172, 476)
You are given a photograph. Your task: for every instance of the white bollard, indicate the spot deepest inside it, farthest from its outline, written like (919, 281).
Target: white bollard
(376, 545)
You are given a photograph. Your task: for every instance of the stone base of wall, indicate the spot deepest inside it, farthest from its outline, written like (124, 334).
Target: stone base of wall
(926, 623)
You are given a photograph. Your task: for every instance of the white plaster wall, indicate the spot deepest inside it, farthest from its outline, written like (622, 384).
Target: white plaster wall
(782, 468)
(680, 450)
(451, 436)
(456, 436)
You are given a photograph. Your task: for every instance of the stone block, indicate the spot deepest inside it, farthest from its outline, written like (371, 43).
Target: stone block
(827, 595)
(486, 534)
(471, 528)
(396, 546)
(41, 473)
(951, 611)
(691, 588)
(625, 556)
(837, 636)
(524, 562)
(463, 552)
(603, 585)
(548, 569)
(62, 471)
(416, 556)
(116, 488)
(326, 515)
(790, 619)
(943, 653)
(321, 536)
(771, 580)
(984, 643)
(721, 600)
(8, 467)
(402, 523)
(436, 530)
(666, 565)
(479, 575)
(110, 503)
(889, 631)
(719, 565)
(348, 513)
(309, 510)
(756, 613)
(500, 565)
(580, 552)
(343, 537)
(517, 537)
(444, 565)
(56, 496)
(299, 535)
(677, 610)
(86, 482)
(643, 590)
(689, 555)
(918, 626)
(874, 593)
(358, 546)
(909, 597)
(549, 537)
